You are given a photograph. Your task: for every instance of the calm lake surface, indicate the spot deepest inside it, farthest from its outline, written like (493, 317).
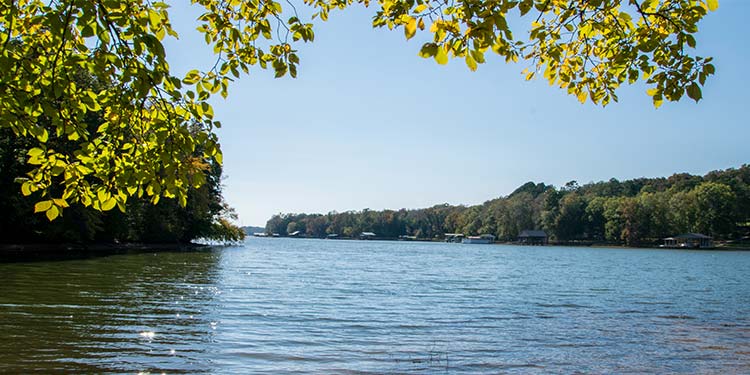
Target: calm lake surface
(344, 307)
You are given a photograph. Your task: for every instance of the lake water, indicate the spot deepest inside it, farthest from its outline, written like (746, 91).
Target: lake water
(355, 307)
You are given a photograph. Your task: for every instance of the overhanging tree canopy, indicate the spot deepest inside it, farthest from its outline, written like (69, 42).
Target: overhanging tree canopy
(153, 120)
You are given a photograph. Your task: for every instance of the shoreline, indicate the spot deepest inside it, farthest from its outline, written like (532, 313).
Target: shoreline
(10, 253)
(586, 244)
(13, 253)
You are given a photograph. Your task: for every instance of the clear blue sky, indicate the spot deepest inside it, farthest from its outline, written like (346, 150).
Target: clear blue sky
(369, 124)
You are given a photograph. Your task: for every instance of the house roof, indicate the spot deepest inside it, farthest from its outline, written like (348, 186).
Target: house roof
(532, 233)
(692, 236)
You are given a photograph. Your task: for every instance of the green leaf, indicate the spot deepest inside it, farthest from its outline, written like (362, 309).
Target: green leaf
(525, 6)
(694, 92)
(191, 77)
(42, 206)
(428, 50)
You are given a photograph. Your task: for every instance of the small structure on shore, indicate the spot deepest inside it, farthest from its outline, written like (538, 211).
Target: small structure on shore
(532, 237)
(689, 241)
(297, 233)
(483, 239)
(454, 237)
(332, 236)
(404, 237)
(367, 236)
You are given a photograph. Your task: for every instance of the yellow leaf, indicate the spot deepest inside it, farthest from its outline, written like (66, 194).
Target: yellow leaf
(42, 206)
(35, 152)
(109, 204)
(102, 195)
(52, 213)
(713, 5)
(26, 189)
(471, 63)
(60, 202)
(442, 56)
(410, 28)
(582, 96)
(435, 26)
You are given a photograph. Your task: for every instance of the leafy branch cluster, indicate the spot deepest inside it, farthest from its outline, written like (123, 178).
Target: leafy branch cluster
(587, 47)
(153, 121)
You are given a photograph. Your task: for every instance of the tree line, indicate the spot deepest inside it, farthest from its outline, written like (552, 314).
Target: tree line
(633, 212)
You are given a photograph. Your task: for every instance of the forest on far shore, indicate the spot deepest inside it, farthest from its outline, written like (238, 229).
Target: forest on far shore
(633, 212)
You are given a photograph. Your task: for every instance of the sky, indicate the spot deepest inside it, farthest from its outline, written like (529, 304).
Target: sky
(369, 124)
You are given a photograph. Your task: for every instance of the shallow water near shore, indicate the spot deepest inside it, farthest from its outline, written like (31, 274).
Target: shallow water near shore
(317, 306)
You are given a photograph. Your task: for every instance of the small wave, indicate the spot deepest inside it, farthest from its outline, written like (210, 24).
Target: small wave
(653, 303)
(572, 345)
(277, 357)
(677, 317)
(563, 305)
(688, 340)
(630, 312)
(501, 366)
(714, 347)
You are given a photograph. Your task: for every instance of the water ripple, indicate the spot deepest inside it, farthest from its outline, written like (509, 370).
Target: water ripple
(277, 306)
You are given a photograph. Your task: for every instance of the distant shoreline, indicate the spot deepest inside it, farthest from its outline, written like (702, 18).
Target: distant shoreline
(721, 247)
(12, 253)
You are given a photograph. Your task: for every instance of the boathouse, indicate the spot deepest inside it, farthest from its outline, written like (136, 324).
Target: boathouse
(689, 241)
(454, 237)
(532, 237)
(367, 236)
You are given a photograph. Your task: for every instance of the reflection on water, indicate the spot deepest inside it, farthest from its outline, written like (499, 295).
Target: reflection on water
(311, 306)
(130, 313)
